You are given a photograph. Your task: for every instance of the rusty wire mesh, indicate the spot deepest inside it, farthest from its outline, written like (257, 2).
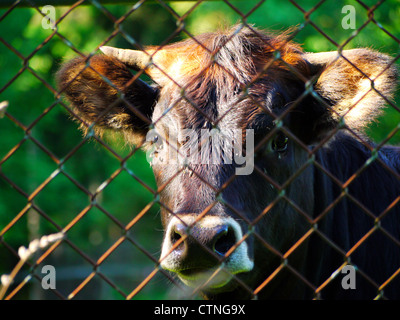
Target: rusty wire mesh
(103, 266)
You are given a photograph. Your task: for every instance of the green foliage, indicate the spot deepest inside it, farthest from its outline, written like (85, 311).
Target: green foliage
(44, 150)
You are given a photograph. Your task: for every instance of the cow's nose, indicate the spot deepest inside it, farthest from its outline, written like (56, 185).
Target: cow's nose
(196, 249)
(200, 247)
(217, 239)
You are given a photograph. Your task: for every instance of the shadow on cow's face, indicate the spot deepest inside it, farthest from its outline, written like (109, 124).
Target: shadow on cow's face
(209, 216)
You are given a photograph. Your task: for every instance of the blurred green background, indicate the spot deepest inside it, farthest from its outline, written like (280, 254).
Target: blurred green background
(27, 88)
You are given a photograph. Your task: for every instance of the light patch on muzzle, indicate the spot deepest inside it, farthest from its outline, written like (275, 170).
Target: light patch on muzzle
(237, 262)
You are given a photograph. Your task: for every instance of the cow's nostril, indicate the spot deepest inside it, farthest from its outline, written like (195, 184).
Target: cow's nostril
(225, 240)
(177, 233)
(175, 237)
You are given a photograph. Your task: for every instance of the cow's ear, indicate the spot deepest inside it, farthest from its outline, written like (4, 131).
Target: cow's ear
(353, 87)
(103, 93)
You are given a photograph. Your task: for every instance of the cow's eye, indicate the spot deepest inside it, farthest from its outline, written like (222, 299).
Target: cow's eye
(157, 142)
(155, 139)
(280, 142)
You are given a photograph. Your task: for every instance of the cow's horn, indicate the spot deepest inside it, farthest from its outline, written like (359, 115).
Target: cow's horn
(321, 58)
(134, 59)
(318, 61)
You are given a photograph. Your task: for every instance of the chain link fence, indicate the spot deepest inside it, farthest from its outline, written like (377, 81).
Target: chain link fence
(99, 194)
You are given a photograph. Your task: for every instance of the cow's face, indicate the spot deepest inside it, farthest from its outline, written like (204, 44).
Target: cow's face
(232, 122)
(205, 106)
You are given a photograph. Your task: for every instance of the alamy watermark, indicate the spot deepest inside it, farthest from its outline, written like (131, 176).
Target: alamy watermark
(49, 280)
(349, 279)
(205, 146)
(349, 20)
(49, 19)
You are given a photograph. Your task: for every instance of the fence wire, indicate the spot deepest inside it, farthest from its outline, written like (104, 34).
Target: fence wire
(122, 260)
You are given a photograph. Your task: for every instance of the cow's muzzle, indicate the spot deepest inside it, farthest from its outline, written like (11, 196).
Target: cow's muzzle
(207, 252)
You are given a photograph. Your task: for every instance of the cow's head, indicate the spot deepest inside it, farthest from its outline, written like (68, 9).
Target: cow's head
(223, 230)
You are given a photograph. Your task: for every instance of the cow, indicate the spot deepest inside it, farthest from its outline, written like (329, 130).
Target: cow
(318, 200)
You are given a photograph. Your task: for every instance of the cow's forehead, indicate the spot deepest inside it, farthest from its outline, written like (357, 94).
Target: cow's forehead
(234, 113)
(206, 108)
(235, 54)
(222, 76)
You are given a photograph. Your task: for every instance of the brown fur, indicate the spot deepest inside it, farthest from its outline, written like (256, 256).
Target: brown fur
(349, 85)
(102, 93)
